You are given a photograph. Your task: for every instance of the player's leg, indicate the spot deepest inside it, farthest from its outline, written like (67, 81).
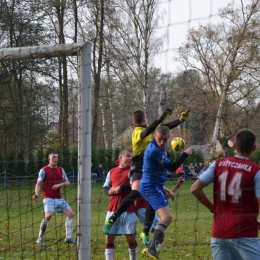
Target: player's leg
(125, 203)
(148, 221)
(132, 246)
(156, 198)
(155, 222)
(128, 228)
(240, 248)
(66, 209)
(159, 231)
(110, 247)
(48, 207)
(220, 249)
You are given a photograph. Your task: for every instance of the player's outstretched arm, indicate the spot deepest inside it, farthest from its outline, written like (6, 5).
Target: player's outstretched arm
(150, 128)
(183, 117)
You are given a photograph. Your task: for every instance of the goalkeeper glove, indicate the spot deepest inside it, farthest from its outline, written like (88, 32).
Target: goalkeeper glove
(184, 116)
(166, 112)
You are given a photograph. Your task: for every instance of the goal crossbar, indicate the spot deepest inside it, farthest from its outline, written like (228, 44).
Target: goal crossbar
(43, 51)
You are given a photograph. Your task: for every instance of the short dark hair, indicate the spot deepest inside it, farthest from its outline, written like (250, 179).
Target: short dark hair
(162, 130)
(138, 116)
(245, 141)
(51, 153)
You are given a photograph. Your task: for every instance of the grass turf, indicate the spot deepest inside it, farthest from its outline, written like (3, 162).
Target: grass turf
(187, 237)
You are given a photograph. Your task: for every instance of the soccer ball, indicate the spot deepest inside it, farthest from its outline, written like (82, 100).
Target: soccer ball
(177, 144)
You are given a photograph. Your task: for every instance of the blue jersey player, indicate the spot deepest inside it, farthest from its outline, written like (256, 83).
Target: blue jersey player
(155, 165)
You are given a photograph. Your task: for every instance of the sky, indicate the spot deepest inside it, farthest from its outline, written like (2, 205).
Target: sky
(178, 17)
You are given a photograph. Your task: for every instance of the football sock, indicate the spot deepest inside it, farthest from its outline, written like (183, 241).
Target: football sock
(43, 227)
(132, 253)
(109, 253)
(68, 227)
(148, 220)
(157, 235)
(125, 204)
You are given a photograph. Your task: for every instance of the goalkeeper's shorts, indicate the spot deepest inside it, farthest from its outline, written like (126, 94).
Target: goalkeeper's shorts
(134, 176)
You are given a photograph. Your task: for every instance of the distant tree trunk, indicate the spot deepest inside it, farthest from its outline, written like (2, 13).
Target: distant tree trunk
(218, 122)
(97, 65)
(63, 80)
(103, 124)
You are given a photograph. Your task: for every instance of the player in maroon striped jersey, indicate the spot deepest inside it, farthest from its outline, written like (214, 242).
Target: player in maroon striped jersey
(236, 201)
(51, 179)
(117, 186)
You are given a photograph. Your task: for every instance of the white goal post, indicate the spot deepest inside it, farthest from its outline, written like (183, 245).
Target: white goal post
(83, 51)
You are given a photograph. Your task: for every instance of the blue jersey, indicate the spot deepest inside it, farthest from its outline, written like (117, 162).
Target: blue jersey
(155, 161)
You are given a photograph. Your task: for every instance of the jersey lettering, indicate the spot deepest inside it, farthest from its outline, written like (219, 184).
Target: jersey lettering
(234, 187)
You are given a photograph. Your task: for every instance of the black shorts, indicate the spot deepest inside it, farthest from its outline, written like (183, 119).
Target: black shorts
(134, 175)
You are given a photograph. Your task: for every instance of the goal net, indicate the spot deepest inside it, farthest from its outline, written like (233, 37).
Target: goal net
(28, 96)
(134, 66)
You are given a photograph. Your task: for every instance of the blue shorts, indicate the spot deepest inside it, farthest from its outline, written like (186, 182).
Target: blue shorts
(124, 225)
(55, 205)
(235, 249)
(140, 213)
(154, 195)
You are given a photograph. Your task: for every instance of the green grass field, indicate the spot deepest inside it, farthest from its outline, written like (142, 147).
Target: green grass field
(187, 237)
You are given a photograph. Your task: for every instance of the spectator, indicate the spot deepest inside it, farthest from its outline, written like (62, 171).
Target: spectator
(100, 173)
(192, 170)
(93, 173)
(186, 171)
(180, 171)
(200, 167)
(196, 168)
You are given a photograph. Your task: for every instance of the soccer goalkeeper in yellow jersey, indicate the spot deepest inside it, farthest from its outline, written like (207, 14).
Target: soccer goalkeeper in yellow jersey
(141, 136)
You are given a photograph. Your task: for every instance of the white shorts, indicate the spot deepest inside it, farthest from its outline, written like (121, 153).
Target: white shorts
(55, 205)
(141, 216)
(124, 225)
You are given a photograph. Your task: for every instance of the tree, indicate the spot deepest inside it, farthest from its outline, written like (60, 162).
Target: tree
(21, 168)
(134, 45)
(31, 166)
(227, 58)
(20, 25)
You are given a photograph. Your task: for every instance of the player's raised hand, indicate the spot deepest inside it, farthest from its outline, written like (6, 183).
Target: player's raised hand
(180, 181)
(184, 116)
(166, 112)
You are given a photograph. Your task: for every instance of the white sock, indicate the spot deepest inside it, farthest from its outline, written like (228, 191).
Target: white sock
(158, 248)
(43, 227)
(109, 253)
(69, 227)
(132, 253)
